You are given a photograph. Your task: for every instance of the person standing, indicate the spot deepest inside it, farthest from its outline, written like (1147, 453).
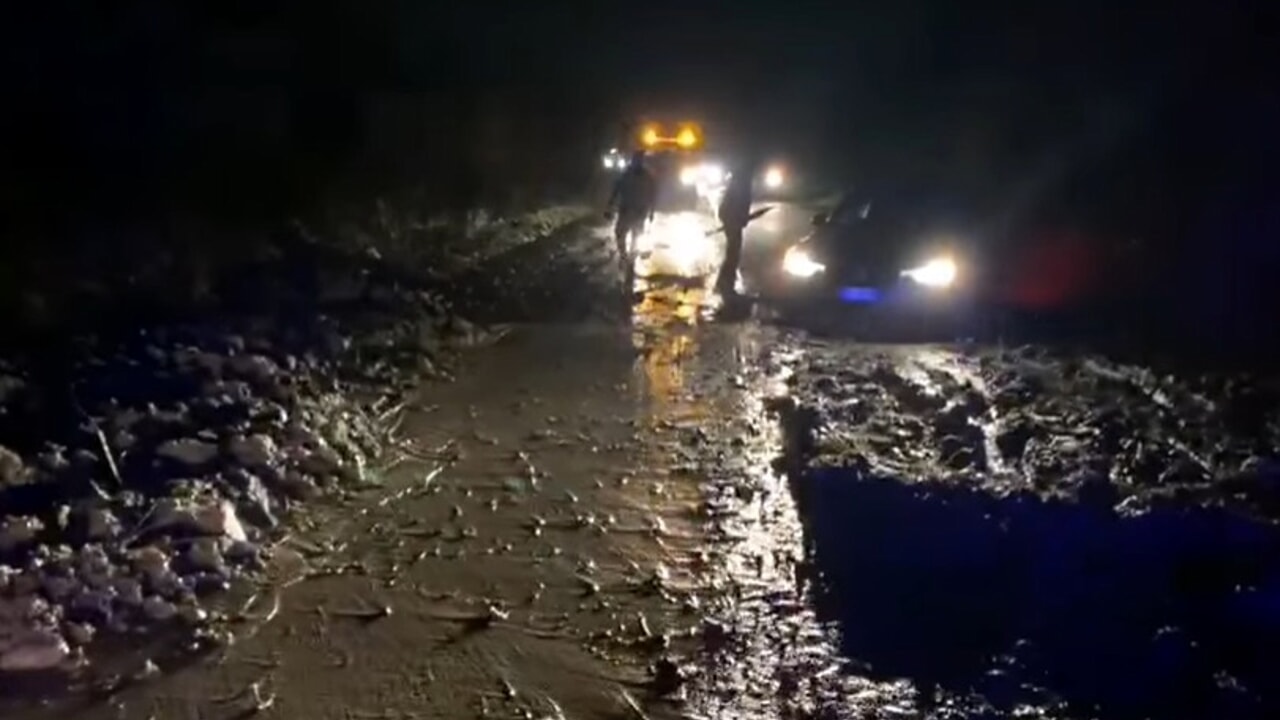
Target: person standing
(633, 198)
(734, 213)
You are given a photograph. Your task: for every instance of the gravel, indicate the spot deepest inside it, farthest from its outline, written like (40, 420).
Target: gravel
(143, 473)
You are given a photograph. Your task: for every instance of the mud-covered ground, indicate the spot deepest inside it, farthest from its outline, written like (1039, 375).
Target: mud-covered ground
(1021, 529)
(658, 514)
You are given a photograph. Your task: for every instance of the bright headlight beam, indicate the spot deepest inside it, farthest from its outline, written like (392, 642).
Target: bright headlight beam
(939, 273)
(773, 178)
(798, 263)
(688, 176)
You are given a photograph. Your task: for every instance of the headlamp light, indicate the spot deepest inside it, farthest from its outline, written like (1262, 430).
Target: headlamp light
(938, 273)
(798, 263)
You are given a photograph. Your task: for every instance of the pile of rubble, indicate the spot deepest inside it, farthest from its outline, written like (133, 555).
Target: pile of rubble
(185, 457)
(139, 475)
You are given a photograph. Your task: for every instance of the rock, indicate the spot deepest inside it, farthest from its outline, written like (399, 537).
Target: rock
(93, 560)
(17, 532)
(188, 451)
(158, 609)
(23, 583)
(192, 614)
(253, 451)
(33, 651)
(128, 591)
(150, 561)
(12, 470)
(24, 608)
(209, 518)
(92, 606)
(79, 633)
(322, 462)
(298, 486)
(95, 524)
(257, 369)
(257, 505)
(58, 588)
(53, 459)
(205, 555)
(221, 520)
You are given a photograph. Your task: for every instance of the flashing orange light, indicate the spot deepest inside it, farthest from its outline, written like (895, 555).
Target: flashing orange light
(650, 136)
(687, 138)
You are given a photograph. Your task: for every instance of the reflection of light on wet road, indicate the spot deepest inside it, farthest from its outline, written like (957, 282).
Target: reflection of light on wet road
(676, 260)
(664, 364)
(676, 244)
(766, 654)
(667, 305)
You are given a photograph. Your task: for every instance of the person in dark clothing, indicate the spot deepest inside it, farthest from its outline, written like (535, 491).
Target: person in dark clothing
(734, 214)
(633, 198)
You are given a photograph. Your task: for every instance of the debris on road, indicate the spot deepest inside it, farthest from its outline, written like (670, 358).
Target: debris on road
(1040, 529)
(142, 473)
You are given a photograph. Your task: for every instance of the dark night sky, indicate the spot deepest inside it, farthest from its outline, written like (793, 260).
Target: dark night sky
(995, 93)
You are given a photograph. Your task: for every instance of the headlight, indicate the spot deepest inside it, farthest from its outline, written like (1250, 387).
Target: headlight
(608, 162)
(939, 273)
(799, 263)
(713, 174)
(688, 176)
(773, 178)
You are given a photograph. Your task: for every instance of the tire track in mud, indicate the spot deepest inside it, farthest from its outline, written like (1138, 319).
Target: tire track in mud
(1016, 532)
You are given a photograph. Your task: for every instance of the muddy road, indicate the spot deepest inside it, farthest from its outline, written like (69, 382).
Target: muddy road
(674, 517)
(594, 524)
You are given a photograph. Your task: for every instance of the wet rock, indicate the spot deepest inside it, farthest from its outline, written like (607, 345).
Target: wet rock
(32, 651)
(91, 606)
(158, 609)
(254, 451)
(209, 517)
(205, 555)
(321, 462)
(256, 369)
(95, 524)
(128, 591)
(12, 470)
(79, 633)
(18, 532)
(244, 553)
(189, 451)
(151, 562)
(58, 588)
(256, 505)
(298, 486)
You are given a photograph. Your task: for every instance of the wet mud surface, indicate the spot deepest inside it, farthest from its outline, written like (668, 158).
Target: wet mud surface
(1023, 533)
(591, 528)
(677, 517)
